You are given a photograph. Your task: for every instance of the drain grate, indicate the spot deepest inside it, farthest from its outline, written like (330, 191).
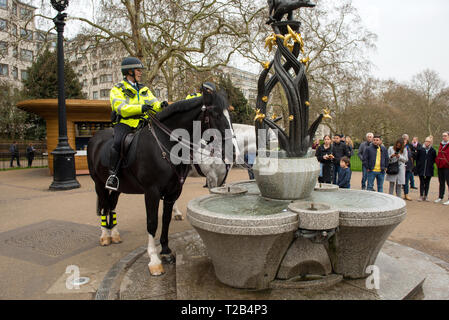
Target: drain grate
(48, 242)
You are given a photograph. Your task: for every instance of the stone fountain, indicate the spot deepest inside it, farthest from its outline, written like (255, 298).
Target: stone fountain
(283, 229)
(283, 236)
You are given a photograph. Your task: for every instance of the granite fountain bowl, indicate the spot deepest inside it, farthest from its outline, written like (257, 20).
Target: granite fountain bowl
(282, 178)
(366, 220)
(246, 236)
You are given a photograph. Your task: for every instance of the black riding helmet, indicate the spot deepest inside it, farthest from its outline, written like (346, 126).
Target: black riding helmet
(131, 63)
(208, 85)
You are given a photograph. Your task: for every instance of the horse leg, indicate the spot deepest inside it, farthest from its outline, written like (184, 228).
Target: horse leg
(152, 207)
(103, 210)
(177, 213)
(115, 235)
(166, 254)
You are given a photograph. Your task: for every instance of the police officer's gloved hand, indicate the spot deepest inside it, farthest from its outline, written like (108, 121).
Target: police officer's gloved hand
(146, 107)
(164, 104)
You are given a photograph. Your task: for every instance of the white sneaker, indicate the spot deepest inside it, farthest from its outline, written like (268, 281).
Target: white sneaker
(438, 200)
(446, 203)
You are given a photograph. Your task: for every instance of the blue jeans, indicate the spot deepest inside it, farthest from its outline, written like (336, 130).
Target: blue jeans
(412, 181)
(408, 178)
(364, 177)
(380, 176)
(336, 173)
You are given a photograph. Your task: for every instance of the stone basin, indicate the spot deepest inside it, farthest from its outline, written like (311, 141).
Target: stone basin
(279, 177)
(247, 235)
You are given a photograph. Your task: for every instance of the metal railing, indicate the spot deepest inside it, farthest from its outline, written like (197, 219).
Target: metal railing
(40, 160)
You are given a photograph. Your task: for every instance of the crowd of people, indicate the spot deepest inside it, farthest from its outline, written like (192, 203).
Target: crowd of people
(399, 164)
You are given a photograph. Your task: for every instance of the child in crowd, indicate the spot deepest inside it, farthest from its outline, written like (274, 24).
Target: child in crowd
(344, 178)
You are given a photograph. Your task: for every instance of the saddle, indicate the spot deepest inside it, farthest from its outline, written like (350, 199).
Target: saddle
(128, 149)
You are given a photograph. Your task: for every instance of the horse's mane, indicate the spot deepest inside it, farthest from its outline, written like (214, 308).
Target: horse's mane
(220, 102)
(179, 107)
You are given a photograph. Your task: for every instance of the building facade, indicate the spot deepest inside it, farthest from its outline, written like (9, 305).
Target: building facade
(20, 41)
(98, 69)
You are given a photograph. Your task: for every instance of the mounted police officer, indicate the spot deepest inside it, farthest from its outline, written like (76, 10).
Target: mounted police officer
(130, 100)
(205, 86)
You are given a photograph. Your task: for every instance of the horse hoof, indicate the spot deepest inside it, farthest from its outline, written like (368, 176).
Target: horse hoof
(179, 218)
(156, 270)
(168, 258)
(105, 241)
(116, 239)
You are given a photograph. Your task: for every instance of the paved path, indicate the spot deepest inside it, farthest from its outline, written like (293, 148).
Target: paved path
(36, 223)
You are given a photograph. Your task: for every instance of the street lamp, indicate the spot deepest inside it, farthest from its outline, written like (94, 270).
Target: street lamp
(64, 175)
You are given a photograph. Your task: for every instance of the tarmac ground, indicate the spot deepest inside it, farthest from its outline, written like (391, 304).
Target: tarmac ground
(46, 235)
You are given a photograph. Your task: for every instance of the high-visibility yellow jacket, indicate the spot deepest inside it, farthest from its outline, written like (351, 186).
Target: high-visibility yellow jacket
(127, 102)
(193, 95)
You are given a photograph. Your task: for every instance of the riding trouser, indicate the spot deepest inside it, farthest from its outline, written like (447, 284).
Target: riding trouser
(120, 132)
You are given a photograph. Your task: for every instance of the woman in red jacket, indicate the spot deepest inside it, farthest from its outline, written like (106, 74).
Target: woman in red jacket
(442, 162)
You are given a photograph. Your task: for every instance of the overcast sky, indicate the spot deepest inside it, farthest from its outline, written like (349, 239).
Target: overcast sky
(412, 34)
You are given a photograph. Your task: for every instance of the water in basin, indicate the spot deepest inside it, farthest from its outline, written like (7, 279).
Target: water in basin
(245, 205)
(340, 199)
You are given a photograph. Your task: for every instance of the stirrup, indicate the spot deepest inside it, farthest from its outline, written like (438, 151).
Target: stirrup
(110, 183)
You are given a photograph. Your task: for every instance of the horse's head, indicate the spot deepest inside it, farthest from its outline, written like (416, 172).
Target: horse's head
(216, 125)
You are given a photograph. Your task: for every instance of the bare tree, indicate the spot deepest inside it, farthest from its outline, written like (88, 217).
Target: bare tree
(336, 43)
(430, 87)
(173, 37)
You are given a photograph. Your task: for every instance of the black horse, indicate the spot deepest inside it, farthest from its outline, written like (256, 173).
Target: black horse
(152, 172)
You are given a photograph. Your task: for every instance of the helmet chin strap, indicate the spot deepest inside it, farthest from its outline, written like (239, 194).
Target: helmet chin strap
(133, 74)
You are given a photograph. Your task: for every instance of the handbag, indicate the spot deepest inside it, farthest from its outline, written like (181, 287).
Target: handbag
(393, 168)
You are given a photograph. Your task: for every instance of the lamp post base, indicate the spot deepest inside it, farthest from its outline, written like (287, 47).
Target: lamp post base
(64, 174)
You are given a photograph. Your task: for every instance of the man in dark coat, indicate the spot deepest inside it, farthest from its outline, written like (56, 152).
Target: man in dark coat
(340, 150)
(375, 159)
(363, 146)
(14, 150)
(30, 154)
(425, 161)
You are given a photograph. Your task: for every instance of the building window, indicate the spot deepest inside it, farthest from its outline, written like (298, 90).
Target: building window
(39, 36)
(84, 70)
(3, 3)
(15, 73)
(104, 64)
(25, 13)
(104, 78)
(26, 55)
(4, 70)
(94, 81)
(24, 74)
(95, 95)
(104, 93)
(94, 67)
(26, 34)
(3, 48)
(3, 25)
(14, 30)
(15, 52)
(14, 8)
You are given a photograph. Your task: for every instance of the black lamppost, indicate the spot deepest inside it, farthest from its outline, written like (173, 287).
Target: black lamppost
(64, 175)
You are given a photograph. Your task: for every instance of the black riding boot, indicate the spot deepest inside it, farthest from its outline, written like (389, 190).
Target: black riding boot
(113, 183)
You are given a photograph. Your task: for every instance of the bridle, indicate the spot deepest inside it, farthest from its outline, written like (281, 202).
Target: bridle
(191, 146)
